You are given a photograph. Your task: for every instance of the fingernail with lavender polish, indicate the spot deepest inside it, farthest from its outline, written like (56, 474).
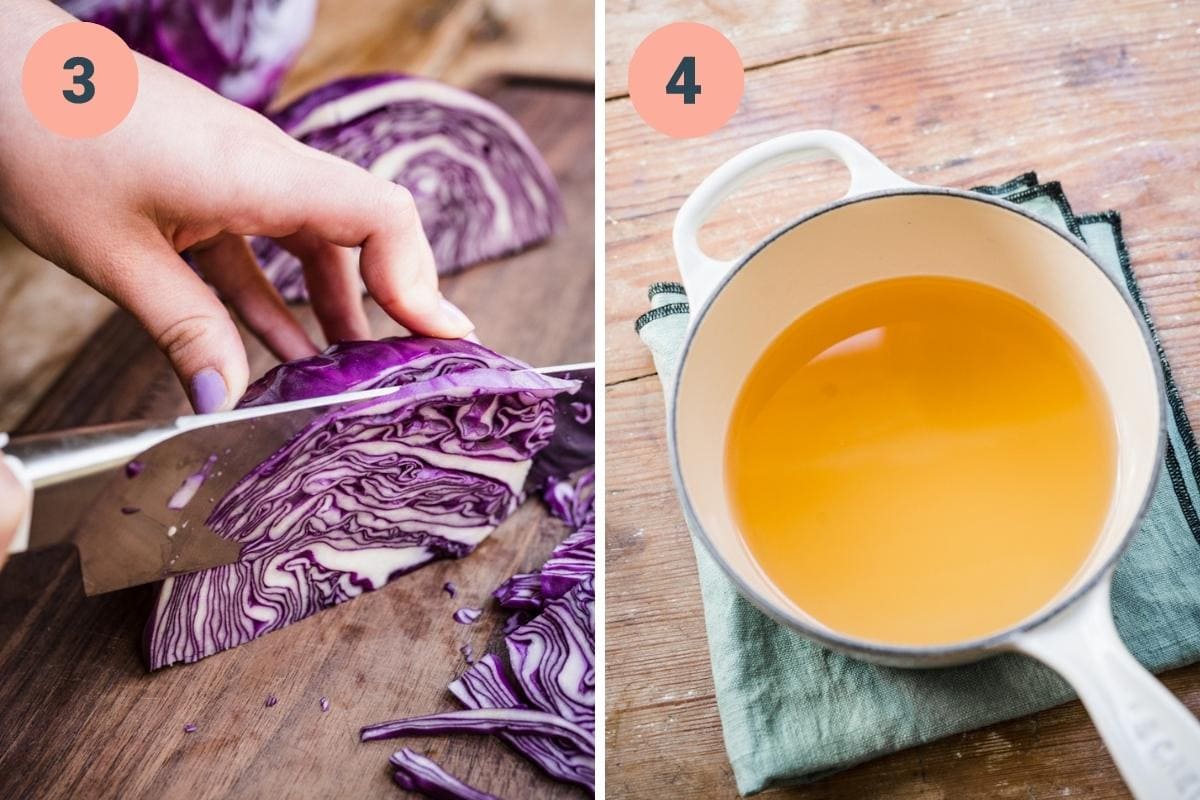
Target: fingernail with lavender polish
(208, 391)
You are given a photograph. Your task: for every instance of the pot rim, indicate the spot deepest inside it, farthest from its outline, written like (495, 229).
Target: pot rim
(891, 653)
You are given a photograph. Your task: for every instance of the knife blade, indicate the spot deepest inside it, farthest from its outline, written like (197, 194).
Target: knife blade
(122, 526)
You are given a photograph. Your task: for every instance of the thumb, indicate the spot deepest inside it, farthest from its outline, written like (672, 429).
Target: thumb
(14, 503)
(188, 322)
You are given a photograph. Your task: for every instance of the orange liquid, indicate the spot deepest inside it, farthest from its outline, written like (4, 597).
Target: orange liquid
(921, 461)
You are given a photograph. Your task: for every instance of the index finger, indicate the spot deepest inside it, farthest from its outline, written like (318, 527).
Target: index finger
(345, 205)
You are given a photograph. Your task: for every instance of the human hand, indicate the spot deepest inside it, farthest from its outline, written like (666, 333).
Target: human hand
(14, 503)
(189, 170)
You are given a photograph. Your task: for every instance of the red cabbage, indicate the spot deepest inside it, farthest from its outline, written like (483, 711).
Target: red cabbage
(552, 657)
(573, 500)
(573, 447)
(468, 616)
(485, 720)
(239, 48)
(122, 17)
(450, 589)
(486, 685)
(416, 773)
(481, 188)
(514, 621)
(324, 703)
(573, 560)
(522, 591)
(364, 493)
(191, 484)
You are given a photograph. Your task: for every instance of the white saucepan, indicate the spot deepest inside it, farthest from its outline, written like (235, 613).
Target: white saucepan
(888, 227)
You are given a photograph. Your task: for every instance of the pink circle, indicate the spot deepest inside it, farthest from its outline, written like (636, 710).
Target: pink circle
(700, 66)
(79, 80)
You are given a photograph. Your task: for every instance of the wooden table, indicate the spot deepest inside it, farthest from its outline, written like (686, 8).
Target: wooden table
(83, 719)
(1101, 96)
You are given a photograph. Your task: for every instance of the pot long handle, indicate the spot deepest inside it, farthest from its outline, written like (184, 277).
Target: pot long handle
(1153, 738)
(701, 273)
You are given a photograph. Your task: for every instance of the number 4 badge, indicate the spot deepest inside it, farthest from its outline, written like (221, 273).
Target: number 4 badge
(664, 79)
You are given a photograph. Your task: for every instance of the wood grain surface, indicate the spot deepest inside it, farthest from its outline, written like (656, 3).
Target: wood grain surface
(1101, 96)
(458, 41)
(83, 719)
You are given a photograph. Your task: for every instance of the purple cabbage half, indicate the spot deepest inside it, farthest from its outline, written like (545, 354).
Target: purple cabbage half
(364, 493)
(239, 48)
(481, 188)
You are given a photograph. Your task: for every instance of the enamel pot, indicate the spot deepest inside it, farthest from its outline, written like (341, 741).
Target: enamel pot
(887, 227)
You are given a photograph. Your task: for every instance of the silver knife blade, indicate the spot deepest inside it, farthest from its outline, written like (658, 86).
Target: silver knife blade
(124, 530)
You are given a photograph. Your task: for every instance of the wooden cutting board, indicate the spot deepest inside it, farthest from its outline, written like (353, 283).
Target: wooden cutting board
(83, 719)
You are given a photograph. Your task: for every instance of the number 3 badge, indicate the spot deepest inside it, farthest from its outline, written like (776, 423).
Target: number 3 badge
(79, 80)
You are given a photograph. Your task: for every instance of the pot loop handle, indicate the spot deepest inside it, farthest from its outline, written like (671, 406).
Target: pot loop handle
(1152, 736)
(701, 273)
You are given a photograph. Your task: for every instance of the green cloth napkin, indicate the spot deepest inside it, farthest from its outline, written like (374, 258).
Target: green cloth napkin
(793, 711)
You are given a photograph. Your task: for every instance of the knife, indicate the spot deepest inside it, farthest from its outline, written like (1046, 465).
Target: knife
(125, 532)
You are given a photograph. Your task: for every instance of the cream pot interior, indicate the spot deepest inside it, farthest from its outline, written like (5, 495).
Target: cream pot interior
(870, 238)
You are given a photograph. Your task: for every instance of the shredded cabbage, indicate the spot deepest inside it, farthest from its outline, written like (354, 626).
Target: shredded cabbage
(547, 711)
(416, 773)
